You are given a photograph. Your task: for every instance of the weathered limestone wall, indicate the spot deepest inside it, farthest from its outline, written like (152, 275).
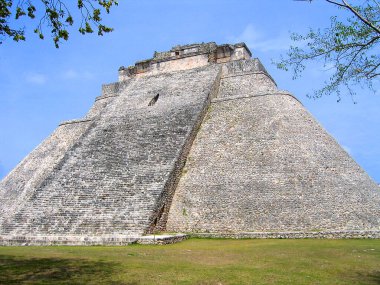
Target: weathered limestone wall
(20, 184)
(110, 182)
(109, 92)
(198, 139)
(183, 63)
(241, 53)
(247, 76)
(261, 163)
(185, 57)
(316, 234)
(179, 64)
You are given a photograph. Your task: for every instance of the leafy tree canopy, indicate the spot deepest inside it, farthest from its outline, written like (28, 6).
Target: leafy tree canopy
(54, 15)
(350, 47)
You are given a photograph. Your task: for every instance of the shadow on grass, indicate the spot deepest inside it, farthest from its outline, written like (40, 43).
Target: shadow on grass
(21, 270)
(24, 270)
(371, 278)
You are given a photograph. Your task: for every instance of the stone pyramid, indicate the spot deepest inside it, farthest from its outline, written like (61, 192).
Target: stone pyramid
(199, 140)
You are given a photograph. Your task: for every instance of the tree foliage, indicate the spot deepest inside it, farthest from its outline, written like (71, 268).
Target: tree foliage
(349, 47)
(54, 15)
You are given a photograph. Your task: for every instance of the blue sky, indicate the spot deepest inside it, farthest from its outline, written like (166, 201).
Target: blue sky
(42, 86)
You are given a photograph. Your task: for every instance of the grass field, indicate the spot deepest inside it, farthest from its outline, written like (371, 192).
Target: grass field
(197, 261)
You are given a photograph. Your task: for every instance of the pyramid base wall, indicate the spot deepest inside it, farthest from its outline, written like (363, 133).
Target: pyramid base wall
(120, 240)
(375, 234)
(76, 240)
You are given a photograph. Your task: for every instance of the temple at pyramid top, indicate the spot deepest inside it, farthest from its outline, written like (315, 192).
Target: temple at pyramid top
(183, 57)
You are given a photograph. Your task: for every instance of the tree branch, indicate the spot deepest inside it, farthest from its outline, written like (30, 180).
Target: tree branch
(357, 14)
(350, 46)
(336, 3)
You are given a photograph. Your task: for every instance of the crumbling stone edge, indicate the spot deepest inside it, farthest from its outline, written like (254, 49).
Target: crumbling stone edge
(243, 96)
(75, 121)
(162, 239)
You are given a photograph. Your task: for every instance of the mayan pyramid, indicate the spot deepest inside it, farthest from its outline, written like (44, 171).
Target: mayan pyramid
(198, 140)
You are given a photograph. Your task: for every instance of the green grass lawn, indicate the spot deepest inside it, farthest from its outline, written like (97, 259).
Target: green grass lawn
(197, 261)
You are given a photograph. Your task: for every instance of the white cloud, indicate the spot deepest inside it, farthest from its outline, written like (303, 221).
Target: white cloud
(70, 74)
(74, 74)
(255, 40)
(36, 78)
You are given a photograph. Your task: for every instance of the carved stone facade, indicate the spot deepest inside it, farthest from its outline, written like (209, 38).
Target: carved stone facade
(197, 139)
(185, 57)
